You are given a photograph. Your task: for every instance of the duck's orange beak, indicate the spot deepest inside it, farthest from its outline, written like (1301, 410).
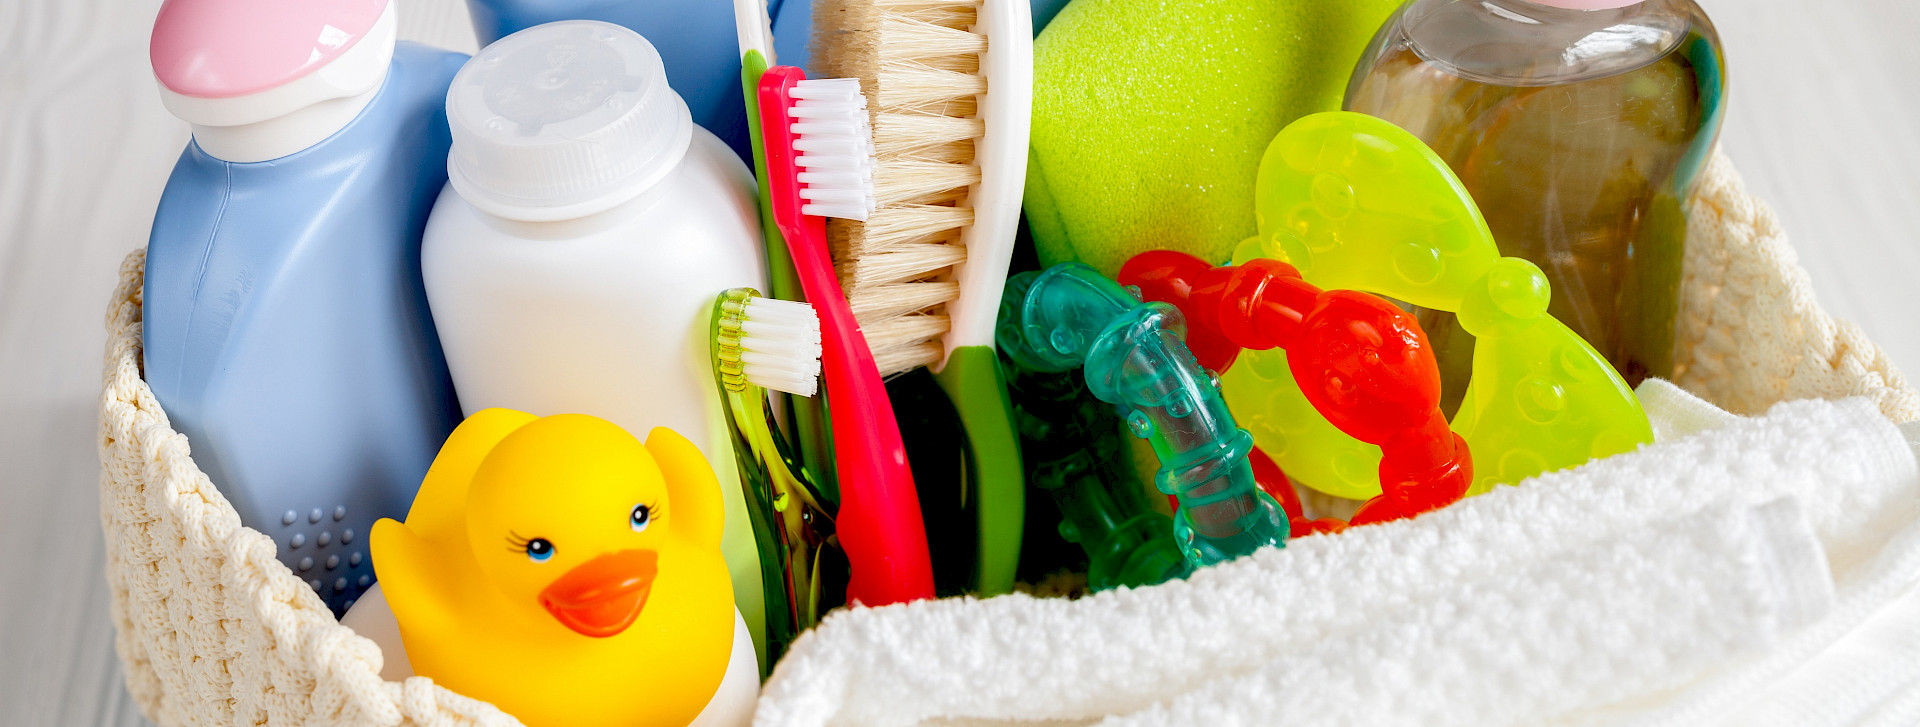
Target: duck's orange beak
(603, 596)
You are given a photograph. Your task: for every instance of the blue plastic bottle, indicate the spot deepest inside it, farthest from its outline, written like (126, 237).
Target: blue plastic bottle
(287, 332)
(696, 40)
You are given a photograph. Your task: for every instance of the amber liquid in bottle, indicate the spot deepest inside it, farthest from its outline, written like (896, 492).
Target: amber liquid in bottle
(1580, 134)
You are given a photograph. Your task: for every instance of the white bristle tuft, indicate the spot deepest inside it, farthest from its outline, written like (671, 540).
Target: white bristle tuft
(780, 346)
(834, 139)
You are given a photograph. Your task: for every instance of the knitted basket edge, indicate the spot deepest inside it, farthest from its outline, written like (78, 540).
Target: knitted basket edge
(1750, 332)
(183, 572)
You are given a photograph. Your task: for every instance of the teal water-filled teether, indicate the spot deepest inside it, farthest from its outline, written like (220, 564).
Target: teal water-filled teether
(1070, 316)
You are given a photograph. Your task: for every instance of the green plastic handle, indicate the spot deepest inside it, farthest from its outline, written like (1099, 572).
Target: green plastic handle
(996, 479)
(809, 414)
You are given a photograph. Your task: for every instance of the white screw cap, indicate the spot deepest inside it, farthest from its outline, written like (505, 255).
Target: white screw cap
(563, 120)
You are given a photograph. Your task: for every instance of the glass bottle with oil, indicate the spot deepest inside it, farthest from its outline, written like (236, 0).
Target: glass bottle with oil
(1580, 128)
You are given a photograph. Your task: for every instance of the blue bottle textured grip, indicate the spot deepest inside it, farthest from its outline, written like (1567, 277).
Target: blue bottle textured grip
(287, 331)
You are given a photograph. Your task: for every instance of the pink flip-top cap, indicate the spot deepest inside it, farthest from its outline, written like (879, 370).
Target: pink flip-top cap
(1587, 4)
(227, 48)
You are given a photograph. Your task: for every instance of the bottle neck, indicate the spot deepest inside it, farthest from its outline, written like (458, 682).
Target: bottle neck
(1586, 4)
(1542, 43)
(283, 135)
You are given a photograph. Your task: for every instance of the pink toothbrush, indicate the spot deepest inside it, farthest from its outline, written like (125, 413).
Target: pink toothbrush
(819, 164)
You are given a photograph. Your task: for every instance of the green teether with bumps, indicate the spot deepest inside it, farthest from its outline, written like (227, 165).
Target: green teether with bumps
(1357, 203)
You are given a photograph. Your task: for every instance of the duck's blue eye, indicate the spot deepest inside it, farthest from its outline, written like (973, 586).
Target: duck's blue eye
(539, 550)
(640, 518)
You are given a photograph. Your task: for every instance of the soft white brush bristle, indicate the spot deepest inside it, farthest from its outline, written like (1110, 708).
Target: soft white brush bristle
(780, 346)
(834, 141)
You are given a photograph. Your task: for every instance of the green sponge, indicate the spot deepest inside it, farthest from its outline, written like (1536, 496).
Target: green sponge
(1150, 116)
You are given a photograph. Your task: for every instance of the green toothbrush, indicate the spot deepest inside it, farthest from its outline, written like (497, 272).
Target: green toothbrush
(809, 415)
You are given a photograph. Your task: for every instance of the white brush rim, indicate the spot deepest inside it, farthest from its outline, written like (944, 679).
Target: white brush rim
(1007, 111)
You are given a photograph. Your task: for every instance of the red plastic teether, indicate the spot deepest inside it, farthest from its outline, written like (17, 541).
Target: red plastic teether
(1376, 375)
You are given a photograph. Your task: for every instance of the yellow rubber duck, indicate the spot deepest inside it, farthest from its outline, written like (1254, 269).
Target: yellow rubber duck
(565, 572)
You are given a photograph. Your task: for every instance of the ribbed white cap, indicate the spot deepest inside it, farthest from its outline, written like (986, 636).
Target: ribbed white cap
(563, 120)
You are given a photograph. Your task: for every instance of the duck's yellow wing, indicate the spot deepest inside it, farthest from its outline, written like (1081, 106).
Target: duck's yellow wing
(691, 485)
(439, 509)
(423, 562)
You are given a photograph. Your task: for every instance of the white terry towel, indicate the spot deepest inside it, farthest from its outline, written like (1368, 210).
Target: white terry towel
(1013, 658)
(1597, 622)
(1858, 666)
(1676, 412)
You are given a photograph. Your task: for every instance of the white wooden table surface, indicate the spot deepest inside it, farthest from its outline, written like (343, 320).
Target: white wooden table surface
(1825, 97)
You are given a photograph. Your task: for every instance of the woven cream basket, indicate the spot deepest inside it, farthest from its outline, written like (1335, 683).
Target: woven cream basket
(213, 630)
